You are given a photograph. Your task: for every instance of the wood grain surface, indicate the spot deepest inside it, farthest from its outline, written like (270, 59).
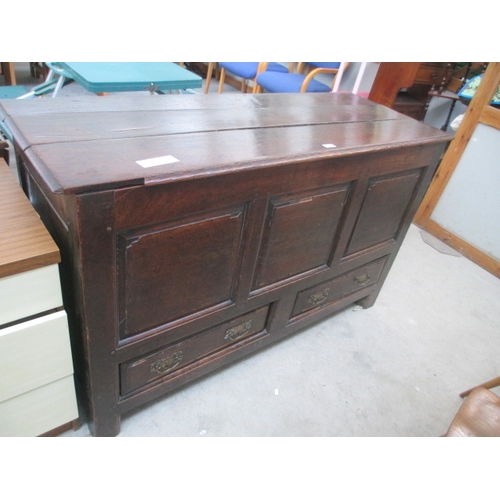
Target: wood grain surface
(25, 244)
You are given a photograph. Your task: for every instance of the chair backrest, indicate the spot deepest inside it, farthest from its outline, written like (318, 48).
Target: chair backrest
(479, 416)
(329, 65)
(317, 68)
(301, 80)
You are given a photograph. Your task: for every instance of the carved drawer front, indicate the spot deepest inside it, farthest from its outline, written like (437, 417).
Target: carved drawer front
(138, 373)
(299, 233)
(29, 293)
(337, 288)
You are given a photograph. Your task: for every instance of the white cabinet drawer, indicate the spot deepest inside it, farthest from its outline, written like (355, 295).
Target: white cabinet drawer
(34, 353)
(39, 411)
(32, 292)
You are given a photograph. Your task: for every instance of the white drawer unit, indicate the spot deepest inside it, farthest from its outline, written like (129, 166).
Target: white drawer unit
(37, 391)
(29, 293)
(34, 353)
(35, 412)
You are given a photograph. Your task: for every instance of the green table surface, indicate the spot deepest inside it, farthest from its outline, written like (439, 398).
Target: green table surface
(131, 76)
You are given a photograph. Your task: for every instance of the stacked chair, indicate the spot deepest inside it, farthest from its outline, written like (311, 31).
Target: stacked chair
(247, 71)
(303, 80)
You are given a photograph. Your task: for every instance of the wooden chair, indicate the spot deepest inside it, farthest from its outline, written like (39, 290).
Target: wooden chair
(301, 81)
(479, 415)
(9, 73)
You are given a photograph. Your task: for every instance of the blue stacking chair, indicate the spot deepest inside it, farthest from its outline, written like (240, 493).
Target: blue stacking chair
(301, 81)
(247, 71)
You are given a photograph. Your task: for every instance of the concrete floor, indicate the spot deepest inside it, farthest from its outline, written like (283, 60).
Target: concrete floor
(395, 369)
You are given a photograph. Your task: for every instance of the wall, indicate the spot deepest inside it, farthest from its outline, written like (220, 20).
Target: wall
(470, 205)
(462, 206)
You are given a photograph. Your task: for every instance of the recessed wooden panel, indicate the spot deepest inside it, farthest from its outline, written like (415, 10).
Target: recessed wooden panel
(172, 271)
(299, 233)
(383, 210)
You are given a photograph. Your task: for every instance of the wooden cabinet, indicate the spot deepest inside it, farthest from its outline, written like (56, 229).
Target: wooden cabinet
(195, 230)
(405, 87)
(37, 392)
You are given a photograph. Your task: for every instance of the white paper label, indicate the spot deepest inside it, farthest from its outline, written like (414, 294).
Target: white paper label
(329, 145)
(156, 162)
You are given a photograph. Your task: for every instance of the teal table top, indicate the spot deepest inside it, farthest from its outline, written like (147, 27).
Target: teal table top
(131, 76)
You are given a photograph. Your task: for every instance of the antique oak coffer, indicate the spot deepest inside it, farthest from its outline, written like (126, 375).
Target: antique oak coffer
(195, 229)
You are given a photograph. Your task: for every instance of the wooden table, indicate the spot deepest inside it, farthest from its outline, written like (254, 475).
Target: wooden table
(104, 77)
(197, 229)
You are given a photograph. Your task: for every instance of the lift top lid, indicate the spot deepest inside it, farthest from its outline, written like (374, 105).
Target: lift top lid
(88, 144)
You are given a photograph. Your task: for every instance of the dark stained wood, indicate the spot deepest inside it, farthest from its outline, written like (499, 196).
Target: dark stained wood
(335, 289)
(299, 233)
(171, 272)
(158, 365)
(384, 208)
(196, 269)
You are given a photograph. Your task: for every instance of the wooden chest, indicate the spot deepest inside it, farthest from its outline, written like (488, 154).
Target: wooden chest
(196, 229)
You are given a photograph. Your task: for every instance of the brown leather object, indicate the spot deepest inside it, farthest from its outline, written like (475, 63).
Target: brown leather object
(479, 416)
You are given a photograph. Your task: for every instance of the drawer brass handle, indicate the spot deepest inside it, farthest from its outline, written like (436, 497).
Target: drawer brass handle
(167, 364)
(362, 279)
(238, 331)
(318, 298)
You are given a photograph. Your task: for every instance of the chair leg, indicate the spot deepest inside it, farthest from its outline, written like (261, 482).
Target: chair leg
(487, 385)
(58, 86)
(221, 80)
(209, 76)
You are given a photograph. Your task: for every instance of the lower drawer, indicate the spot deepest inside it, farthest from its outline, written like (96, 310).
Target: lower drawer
(34, 353)
(330, 291)
(39, 411)
(137, 373)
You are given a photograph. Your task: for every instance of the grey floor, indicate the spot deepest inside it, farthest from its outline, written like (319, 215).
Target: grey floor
(394, 370)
